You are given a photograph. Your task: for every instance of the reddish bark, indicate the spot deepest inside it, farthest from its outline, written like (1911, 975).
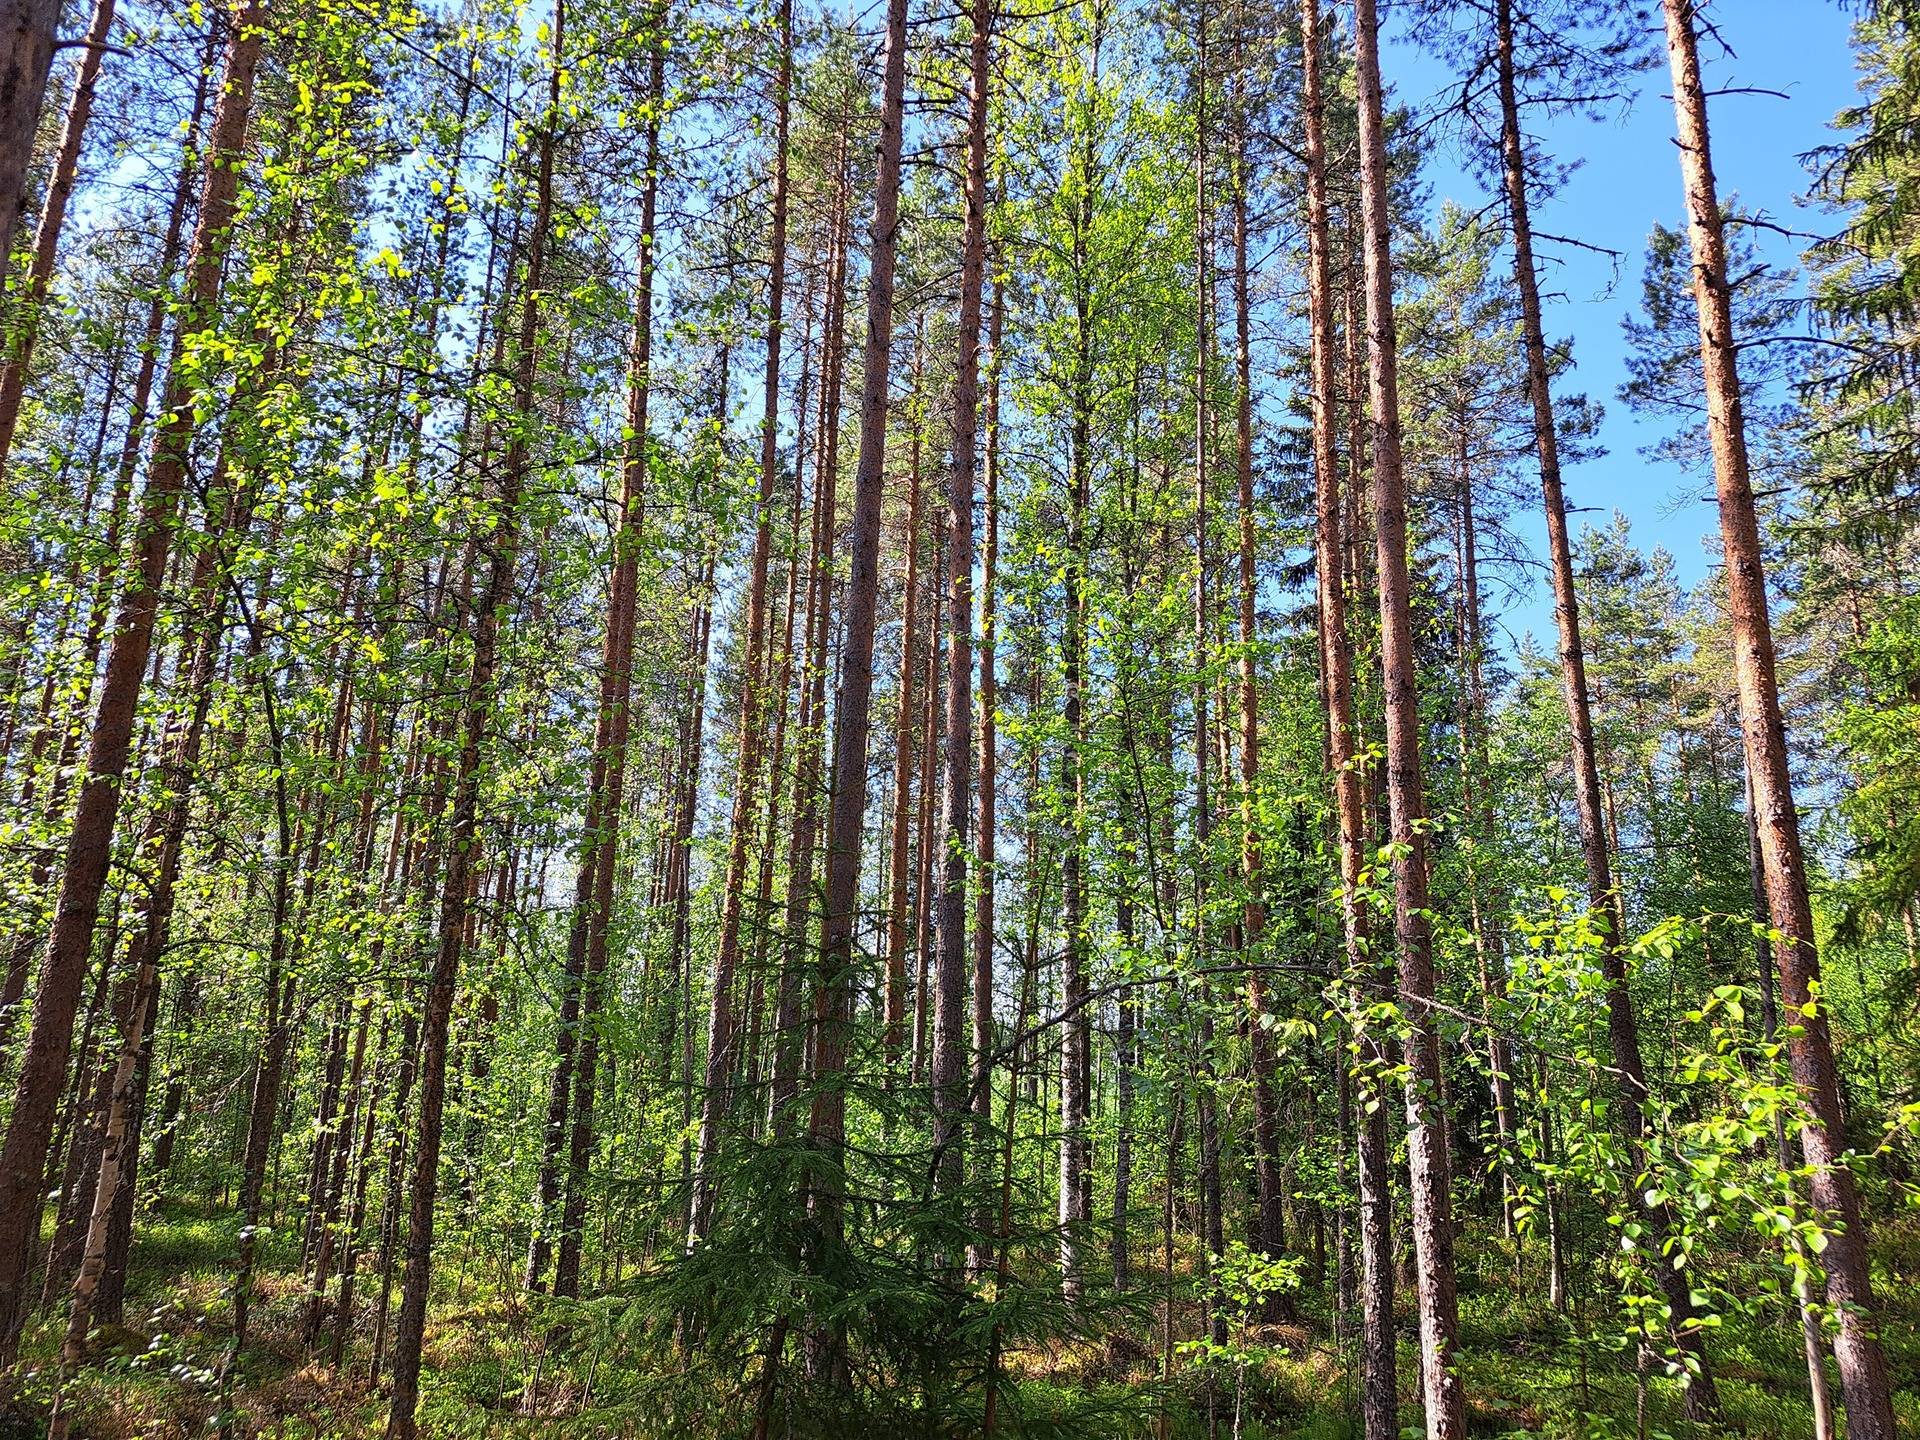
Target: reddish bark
(846, 819)
(1864, 1386)
(90, 839)
(1430, 1202)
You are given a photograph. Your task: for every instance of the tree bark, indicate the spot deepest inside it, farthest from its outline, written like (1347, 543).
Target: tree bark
(617, 694)
(1406, 797)
(900, 856)
(986, 863)
(1864, 1386)
(789, 1008)
(90, 839)
(846, 818)
(950, 967)
(463, 820)
(1623, 1029)
(26, 55)
(1378, 1381)
(1213, 1234)
(53, 219)
(721, 1021)
(164, 841)
(1272, 1233)
(1488, 945)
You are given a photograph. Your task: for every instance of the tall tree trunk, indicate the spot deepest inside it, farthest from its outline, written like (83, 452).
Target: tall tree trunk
(846, 818)
(1864, 1386)
(950, 968)
(1812, 1333)
(789, 1008)
(53, 219)
(1075, 1210)
(930, 717)
(1406, 795)
(90, 840)
(693, 752)
(986, 864)
(1125, 1060)
(1379, 1401)
(1272, 1234)
(787, 701)
(617, 694)
(721, 1021)
(1489, 949)
(900, 852)
(1623, 1029)
(164, 840)
(270, 1060)
(1205, 1115)
(26, 55)
(463, 820)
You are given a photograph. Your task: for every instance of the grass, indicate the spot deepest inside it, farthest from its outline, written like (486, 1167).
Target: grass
(504, 1366)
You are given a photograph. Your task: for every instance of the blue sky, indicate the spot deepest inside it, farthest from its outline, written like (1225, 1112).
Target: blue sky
(1629, 178)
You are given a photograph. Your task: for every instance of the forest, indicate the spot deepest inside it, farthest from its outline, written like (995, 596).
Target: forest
(1032, 718)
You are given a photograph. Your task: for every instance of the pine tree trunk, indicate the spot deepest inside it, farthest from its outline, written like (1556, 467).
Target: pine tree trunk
(616, 701)
(1489, 949)
(1074, 1212)
(950, 1097)
(1205, 1115)
(26, 55)
(894, 1039)
(986, 864)
(90, 839)
(463, 819)
(263, 1105)
(1590, 804)
(53, 219)
(1426, 1132)
(721, 1020)
(789, 1007)
(1272, 1235)
(1125, 1060)
(1812, 1334)
(846, 818)
(929, 747)
(1864, 1386)
(163, 841)
(1378, 1381)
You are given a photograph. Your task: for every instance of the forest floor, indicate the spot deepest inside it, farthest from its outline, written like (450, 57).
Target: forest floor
(500, 1366)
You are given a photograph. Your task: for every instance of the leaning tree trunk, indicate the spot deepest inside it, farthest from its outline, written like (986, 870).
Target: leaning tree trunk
(164, 842)
(90, 840)
(1623, 1031)
(53, 219)
(1864, 1387)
